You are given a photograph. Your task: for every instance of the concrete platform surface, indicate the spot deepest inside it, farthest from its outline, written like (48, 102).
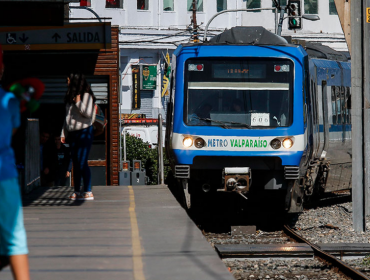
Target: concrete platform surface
(126, 233)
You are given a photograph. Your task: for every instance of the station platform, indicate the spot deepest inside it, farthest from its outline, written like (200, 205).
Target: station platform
(127, 232)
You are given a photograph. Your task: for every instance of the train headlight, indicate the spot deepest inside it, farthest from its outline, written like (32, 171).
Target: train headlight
(275, 144)
(287, 143)
(199, 143)
(187, 142)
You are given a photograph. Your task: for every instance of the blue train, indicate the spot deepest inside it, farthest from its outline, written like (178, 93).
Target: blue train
(251, 113)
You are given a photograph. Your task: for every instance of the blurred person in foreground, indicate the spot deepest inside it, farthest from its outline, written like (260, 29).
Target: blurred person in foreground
(13, 240)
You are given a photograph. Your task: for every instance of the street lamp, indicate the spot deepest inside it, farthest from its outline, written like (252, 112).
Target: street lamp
(311, 17)
(293, 22)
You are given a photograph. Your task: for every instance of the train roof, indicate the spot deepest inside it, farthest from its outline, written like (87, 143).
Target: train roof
(315, 50)
(258, 35)
(245, 35)
(250, 35)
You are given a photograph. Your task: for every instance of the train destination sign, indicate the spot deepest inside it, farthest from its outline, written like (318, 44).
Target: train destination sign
(237, 143)
(68, 37)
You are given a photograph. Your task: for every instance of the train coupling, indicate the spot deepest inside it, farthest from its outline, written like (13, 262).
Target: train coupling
(237, 179)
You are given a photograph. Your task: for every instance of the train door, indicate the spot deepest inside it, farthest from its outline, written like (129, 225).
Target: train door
(315, 118)
(324, 121)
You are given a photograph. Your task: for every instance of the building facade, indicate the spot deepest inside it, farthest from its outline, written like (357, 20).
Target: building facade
(45, 44)
(327, 30)
(149, 29)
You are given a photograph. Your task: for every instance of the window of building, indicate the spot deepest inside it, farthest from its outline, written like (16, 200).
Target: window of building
(114, 4)
(252, 4)
(199, 5)
(311, 7)
(85, 3)
(282, 4)
(143, 4)
(332, 8)
(221, 5)
(168, 5)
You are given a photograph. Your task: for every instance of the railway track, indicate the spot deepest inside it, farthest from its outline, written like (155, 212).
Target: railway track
(234, 252)
(215, 222)
(339, 264)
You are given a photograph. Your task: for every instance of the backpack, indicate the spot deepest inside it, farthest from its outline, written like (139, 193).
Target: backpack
(100, 121)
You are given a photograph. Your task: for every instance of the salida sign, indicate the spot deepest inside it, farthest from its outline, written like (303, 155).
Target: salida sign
(84, 37)
(71, 36)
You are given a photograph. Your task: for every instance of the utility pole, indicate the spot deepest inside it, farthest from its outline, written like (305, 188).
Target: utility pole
(366, 101)
(195, 27)
(360, 129)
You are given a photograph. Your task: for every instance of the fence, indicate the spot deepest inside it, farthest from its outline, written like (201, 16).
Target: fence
(32, 156)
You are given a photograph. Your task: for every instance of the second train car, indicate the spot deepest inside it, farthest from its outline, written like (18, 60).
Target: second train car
(251, 113)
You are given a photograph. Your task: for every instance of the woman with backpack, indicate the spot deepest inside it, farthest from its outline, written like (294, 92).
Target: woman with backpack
(78, 130)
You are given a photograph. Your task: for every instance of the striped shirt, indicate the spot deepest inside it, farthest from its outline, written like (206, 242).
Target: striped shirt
(80, 115)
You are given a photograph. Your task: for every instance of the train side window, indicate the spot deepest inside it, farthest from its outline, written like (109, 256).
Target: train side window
(334, 105)
(342, 105)
(348, 104)
(337, 102)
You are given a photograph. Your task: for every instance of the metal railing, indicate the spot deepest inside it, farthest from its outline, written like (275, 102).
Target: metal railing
(32, 156)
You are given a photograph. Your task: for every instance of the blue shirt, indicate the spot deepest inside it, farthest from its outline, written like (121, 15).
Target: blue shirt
(9, 119)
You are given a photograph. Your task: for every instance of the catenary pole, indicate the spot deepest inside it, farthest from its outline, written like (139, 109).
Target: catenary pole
(357, 115)
(195, 27)
(366, 103)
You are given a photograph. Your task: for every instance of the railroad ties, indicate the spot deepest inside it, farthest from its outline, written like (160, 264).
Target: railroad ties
(332, 253)
(291, 250)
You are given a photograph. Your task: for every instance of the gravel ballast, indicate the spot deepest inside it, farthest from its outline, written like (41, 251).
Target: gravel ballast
(328, 224)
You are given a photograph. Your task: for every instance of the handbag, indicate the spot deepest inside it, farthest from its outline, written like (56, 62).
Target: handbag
(100, 121)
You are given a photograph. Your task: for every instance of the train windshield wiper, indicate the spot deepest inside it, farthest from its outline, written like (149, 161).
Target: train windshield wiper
(243, 124)
(224, 123)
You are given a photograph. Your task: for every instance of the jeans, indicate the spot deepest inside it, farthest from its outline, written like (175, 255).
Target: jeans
(80, 144)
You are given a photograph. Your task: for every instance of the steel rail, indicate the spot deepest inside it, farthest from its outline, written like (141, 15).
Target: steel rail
(342, 266)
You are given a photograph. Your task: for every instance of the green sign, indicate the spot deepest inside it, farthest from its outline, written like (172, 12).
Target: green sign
(148, 77)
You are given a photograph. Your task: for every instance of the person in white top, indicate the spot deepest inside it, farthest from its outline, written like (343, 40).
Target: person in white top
(78, 130)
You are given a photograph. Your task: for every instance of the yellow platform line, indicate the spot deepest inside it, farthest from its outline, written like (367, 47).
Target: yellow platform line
(135, 237)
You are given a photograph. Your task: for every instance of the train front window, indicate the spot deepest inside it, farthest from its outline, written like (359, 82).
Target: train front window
(239, 93)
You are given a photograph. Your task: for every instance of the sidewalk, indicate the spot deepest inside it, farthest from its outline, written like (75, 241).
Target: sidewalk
(125, 233)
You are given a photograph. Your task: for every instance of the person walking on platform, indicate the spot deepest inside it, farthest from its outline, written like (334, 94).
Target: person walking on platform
(13, 240)
(78, 128)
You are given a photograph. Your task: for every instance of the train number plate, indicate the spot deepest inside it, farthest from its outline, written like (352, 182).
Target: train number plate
(260, 119)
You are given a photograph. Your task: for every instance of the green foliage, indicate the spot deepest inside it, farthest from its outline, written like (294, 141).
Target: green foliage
(136, 149)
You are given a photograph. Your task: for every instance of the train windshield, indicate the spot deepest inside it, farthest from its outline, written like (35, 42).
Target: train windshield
(241, 92)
